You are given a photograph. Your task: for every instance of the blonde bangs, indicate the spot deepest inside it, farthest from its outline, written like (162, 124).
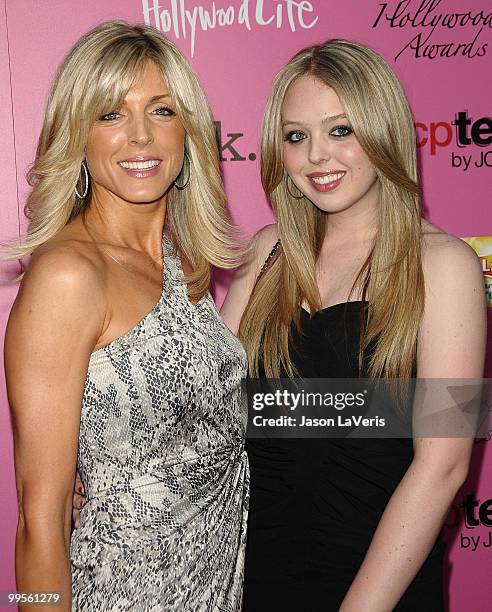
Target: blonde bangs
(94, 79)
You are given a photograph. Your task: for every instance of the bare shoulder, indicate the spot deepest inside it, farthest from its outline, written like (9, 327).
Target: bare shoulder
(245, 278)
(63, 279)
(261, 245)
(448, 255)
(267, 236)
(64, 265)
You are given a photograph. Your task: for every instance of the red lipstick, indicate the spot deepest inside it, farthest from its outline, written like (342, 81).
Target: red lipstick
(326, 181)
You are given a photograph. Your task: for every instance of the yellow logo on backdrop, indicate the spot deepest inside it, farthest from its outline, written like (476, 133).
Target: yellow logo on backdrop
(483, 248)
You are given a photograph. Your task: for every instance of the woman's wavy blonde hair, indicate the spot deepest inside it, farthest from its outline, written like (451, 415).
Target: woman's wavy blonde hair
(94, 79)
(391, 279)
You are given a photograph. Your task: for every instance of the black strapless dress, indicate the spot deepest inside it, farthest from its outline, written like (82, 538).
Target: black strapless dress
(315, 504)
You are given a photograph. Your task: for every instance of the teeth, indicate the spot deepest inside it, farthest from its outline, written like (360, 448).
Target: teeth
(146, 165)
(329, 178)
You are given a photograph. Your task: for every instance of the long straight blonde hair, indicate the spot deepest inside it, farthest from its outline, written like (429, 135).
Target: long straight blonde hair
(94, 79)
(391, 279)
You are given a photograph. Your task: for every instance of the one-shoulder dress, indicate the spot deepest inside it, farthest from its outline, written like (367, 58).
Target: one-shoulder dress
(161, 455)
(315, 503)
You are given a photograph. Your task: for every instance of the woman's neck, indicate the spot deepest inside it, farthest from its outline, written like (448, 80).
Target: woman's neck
(137, 226)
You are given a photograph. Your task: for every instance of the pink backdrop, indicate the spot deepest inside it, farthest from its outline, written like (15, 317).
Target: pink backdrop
(444, 64)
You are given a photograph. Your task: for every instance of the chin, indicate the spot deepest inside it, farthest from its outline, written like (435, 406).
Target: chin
(144, 197)
(147, 200)
(330, 207)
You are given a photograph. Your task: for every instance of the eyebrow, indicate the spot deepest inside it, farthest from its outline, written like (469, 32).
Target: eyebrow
(325, 120)
(159, 97)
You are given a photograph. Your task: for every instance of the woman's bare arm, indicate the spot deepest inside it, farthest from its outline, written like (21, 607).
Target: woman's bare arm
(451, 344)
(54, 324)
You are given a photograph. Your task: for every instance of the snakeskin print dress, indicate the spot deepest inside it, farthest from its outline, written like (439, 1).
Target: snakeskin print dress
(161, 455)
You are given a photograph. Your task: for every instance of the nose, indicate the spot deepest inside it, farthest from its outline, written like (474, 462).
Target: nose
(140, 132)
(319, 149)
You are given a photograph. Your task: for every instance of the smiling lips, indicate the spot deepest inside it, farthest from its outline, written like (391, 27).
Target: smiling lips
(140, 167)
(326, 181)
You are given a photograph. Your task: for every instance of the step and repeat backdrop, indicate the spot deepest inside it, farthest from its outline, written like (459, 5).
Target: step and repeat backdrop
(442, 52)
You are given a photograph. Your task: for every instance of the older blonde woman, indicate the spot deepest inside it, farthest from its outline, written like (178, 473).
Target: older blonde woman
(117, 361)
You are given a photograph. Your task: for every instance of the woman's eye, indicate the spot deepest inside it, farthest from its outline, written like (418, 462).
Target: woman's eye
(294, 136)
(164, 110)
(109, 116)
(341, 130)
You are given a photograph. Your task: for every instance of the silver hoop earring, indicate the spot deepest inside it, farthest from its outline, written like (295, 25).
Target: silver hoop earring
(290, 192)
(180, 187)
(86, 187)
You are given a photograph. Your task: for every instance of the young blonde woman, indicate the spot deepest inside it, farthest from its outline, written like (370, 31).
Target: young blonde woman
(356, 284)
(117, 361)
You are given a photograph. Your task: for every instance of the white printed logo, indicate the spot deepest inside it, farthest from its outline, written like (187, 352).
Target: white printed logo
(184, 22)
